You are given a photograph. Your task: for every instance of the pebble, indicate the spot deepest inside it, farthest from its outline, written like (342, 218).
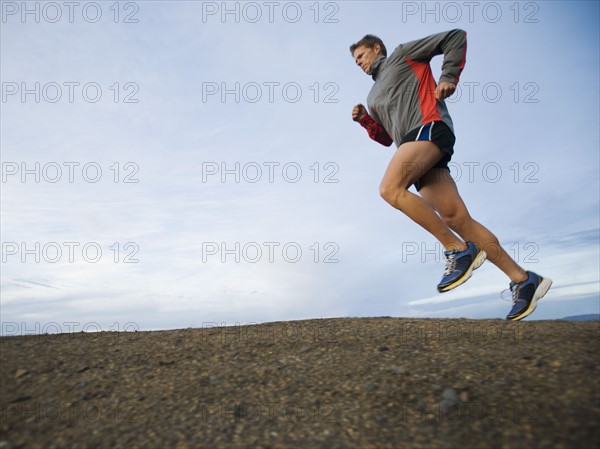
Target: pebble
(166, 362)
(21, 373)
(449, 394)
(555, 364)
(399, 369)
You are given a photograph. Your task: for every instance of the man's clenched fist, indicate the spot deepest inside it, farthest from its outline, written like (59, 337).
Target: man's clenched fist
(358, 112)
(444, 90)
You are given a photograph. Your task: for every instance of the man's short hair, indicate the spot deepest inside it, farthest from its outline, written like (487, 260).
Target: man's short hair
(369, 41)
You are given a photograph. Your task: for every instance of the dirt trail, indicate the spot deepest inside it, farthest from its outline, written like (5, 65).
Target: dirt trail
(330, 383)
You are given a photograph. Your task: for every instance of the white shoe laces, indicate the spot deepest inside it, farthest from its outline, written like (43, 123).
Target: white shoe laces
(512, 296)
(450, 263)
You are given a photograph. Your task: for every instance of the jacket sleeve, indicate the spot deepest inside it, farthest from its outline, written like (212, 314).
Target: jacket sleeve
(375, 130)
(452, 44)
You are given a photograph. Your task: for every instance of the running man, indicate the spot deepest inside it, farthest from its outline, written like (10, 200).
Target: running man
(407, 107)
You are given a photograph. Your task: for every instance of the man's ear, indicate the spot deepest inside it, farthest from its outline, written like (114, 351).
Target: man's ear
(377, 49)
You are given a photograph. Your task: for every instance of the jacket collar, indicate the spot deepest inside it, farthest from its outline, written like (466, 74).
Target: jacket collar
(375, 67)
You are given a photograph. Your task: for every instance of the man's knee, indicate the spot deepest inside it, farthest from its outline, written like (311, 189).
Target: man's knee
(457, 220)
(393, 195)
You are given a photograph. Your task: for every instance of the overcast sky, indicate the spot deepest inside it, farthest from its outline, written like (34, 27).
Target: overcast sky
(172, 164)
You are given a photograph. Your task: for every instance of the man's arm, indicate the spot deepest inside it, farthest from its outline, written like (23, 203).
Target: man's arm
(452, 44)
(374, 129)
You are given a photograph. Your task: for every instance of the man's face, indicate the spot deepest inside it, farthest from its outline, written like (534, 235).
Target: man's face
(365, 56)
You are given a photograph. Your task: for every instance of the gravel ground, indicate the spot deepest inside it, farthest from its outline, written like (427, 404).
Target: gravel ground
(327, 383)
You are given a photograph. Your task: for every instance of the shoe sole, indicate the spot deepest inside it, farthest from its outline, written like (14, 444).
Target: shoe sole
(539, 293)
(479, 259)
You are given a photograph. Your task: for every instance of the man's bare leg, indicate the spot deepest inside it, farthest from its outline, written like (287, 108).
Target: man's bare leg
(440, 191)
(411, 161)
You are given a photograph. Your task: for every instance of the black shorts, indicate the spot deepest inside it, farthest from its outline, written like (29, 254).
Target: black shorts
(440, 134)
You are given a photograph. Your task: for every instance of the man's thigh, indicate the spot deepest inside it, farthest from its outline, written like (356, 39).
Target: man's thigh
(410, 162)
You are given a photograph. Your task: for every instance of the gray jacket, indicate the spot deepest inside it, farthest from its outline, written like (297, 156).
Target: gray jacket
(402, 97)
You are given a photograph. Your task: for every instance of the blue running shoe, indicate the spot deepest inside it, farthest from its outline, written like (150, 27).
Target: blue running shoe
(526, 294)
(460, 265)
